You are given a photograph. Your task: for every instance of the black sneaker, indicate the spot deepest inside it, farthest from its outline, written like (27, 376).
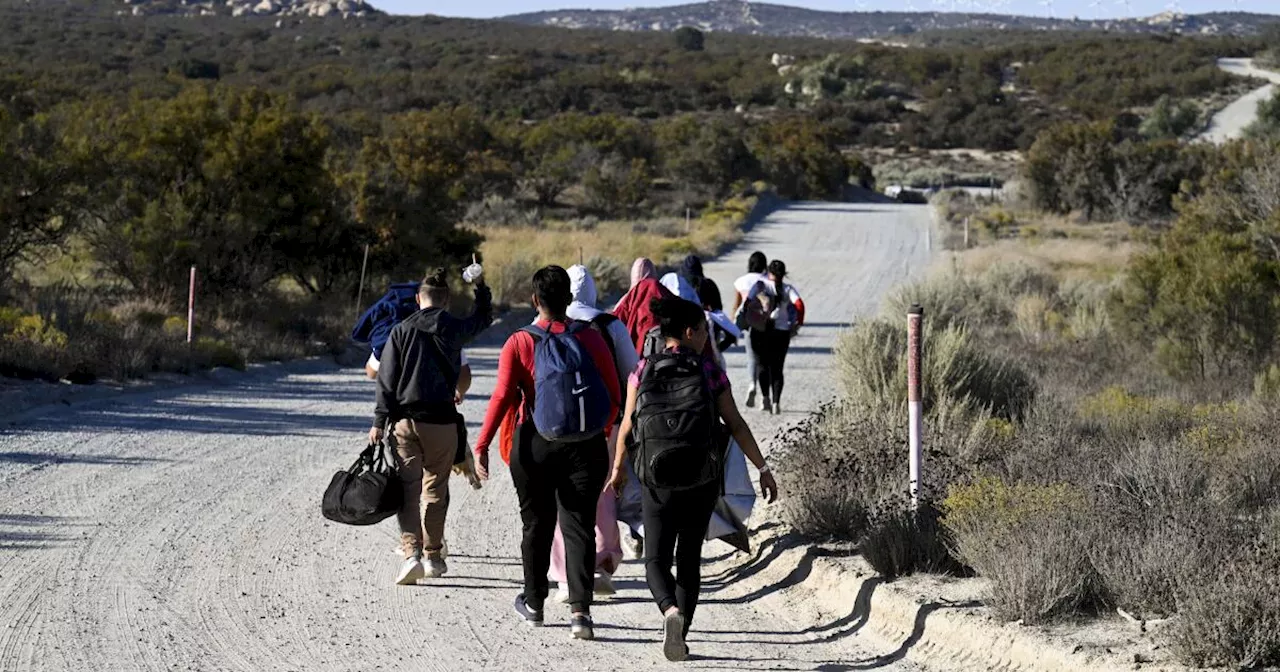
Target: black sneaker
(531, 616)
(582, 627)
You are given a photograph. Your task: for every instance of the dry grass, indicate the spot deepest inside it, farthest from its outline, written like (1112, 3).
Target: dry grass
(522, 249)
(1070, 259)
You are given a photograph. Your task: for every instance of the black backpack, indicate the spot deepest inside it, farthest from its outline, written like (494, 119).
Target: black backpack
(365, 494)
(676, 427)
(654, 342)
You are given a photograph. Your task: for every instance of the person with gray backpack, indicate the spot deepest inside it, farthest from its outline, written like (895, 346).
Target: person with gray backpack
(562, 376)
(679, 415)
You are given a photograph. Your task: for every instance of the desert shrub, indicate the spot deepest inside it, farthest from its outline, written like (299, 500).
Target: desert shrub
(512, 282)
(612, 279)
(984, 300)
(1116, 407)
(616, 185)
(959, 378)
(839, 466)
(1035, 320)
(899, 542)
(1169, 119)
(217, 353)
(496, 210)
(31, 347)
(1234, 618)
(1266, 385)
(1029, 540)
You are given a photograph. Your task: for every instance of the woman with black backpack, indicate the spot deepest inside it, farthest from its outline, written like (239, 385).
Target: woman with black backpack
(679, 405)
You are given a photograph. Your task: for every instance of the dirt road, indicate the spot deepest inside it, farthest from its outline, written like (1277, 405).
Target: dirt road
(1230, 122)
(180, 530)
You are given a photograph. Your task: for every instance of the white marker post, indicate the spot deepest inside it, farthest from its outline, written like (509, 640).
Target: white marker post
(915, 318)
(191, 306)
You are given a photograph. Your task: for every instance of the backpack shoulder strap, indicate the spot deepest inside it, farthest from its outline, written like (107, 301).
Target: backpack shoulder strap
(538, 333)
(603, 320)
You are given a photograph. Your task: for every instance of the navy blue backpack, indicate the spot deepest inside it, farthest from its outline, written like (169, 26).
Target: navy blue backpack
(571, 402)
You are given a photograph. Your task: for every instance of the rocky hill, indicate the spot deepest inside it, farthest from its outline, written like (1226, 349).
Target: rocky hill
(316, 8)
(740, 16)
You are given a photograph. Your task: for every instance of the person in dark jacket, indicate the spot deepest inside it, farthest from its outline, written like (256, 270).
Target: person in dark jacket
(417, 382)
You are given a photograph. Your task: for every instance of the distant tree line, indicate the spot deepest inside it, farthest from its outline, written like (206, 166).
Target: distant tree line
(252, 189)
(992, 95)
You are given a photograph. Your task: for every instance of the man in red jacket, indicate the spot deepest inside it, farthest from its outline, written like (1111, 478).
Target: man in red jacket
(547, 474)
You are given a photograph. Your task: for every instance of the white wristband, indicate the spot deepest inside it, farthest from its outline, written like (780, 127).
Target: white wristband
(764, 469)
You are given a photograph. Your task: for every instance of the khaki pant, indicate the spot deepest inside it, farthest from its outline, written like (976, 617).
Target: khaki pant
(424, 458)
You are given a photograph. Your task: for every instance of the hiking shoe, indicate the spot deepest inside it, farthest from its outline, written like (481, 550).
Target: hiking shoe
(410, 572)
(604, 584)
(523, 610)
(582, 627)
(562, 594)
(777, 408)
(633, 547)
(673, 646)
(751, 399)
(436, 568)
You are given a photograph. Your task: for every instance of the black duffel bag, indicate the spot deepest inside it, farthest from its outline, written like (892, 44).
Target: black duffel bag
(367, 493)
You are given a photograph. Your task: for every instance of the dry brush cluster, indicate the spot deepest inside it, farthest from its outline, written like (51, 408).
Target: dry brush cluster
(1064, 464)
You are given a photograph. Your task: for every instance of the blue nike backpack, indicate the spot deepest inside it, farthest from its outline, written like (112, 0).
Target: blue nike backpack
(571, 402)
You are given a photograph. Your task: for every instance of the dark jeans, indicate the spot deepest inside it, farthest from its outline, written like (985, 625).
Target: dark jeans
(569, 476)
(771, 346)
(672, 516)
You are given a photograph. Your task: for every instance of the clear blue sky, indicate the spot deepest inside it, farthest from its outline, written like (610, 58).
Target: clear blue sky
(1084, 9)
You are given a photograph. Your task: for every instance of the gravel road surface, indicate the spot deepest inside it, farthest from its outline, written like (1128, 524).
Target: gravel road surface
(1229, 123)
(180, 529)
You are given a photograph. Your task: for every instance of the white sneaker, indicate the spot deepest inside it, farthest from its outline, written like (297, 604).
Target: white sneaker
(673, 646)
(562, 594)
(632, 547)
(604, 584)
(436, 568)
(410, 572)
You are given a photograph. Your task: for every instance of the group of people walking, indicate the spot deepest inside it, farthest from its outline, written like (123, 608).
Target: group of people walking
(591, 409)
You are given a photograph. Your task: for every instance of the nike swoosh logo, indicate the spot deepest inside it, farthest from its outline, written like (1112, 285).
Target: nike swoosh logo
(580, 390)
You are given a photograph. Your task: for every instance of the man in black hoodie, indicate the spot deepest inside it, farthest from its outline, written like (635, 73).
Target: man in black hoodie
(416, 382)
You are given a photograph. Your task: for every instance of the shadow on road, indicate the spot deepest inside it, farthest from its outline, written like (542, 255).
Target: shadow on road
(24, 532)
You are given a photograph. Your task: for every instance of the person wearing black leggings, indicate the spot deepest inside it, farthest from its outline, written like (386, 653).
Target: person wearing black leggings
(771, 346)
(675, 520)
(772, 343)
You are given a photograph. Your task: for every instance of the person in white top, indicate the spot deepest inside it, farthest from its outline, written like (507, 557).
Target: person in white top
(785, 310)
(757, 265)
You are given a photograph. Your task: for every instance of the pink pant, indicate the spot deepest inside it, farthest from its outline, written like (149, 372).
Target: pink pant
(608, 541)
